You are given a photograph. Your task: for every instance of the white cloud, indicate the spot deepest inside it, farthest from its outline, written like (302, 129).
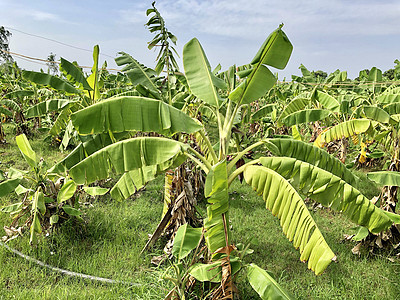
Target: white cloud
(248, 18)
(42, 16)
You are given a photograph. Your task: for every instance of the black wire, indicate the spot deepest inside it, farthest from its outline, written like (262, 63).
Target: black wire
(55, 41)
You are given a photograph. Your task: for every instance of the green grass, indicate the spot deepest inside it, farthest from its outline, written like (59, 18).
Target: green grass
(108, 244)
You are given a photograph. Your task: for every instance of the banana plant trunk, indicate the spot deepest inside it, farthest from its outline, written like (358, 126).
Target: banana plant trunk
(2, 134)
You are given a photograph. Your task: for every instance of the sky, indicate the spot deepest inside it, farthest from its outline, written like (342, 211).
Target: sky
(326, 34)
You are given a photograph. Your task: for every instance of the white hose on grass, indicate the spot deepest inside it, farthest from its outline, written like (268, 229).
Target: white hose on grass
(66, 272)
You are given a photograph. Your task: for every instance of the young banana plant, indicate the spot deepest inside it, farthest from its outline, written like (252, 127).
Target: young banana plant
(45, 202)
(297, 169)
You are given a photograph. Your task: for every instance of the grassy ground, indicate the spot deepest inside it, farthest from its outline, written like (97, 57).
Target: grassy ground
(109, 242)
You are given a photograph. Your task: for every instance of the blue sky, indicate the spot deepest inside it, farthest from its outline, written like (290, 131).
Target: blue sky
(326, 34)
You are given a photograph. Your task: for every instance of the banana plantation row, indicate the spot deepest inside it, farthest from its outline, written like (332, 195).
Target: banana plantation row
(204, 128)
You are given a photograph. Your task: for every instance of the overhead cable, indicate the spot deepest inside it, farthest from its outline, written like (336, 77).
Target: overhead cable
(55, 41)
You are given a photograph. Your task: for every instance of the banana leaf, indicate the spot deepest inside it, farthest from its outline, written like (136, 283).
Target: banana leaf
(138, 73)
(128, 155)
(131, 114)
(19, 94)
(393, 108)
(263, 283)
(343, 130)
(262, 112)
(27, 151)
(45, 107)
(330, 191)
(74, 73)
(130, 182)
(216, 191)
(11, 104)
(376, 114)
(5, 111)
(8, 186)
(296, 104)
(313, 155)
(186, 240)
(296, 221)
(201, 80)
(386, 178)
(94, 79)
(49, 80)
(327, 101)
(90, 145)
(305, 116)
(275, 52)
(388, 98)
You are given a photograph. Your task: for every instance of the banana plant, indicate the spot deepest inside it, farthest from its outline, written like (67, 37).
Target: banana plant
(46, 200)
(378, 126)
(76, 91)
(297, 169)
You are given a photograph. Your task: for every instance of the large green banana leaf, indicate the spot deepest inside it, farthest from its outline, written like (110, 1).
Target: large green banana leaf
(198, 73)
(343, 130)
(45, 107)
(74, 73)
(130, 182)
(216, 190)
(263, 111)
(133, 180)
(305, 116)
(375, 75)
(391, 178)
(128, 155)
(388, 98)
(61, 121)
(376, 114)
(313, 155)
(266, 286)
(5, 111)
(327, 101)
(297, 104)
(393, 108)
(186, 240)
(330, 191)
(275, 52)
(296, 221)
(138, 73)
(11, 104)
(49, 80)
(19, 94)
(83, 150)
(130, 114)
(8, 186)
